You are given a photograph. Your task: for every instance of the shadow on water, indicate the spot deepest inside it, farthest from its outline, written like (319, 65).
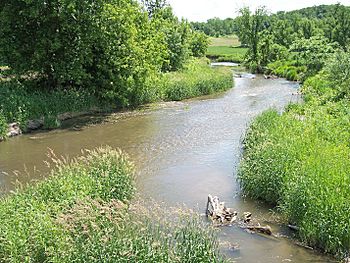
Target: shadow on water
(182, 151)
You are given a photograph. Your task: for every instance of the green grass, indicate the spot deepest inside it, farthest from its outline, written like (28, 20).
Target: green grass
(82, 213)
(197, 79)
(224, 41)
(19, 103)
(226, 53)
(287, 69)
(299, 161)
(226, 49)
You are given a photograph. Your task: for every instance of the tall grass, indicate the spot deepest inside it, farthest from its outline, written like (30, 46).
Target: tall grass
(195, 80)
(227, 53)
(20, 103)
(287, 69)
(82, 213)
(299, 161)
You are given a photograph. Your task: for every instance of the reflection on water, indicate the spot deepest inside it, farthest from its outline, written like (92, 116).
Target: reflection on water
(183, 151)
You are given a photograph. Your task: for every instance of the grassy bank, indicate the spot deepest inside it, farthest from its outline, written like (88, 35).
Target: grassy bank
(288, 69)
(299, 161)
(195, 80)
(82, 213)
(226, 49)
(19, 103)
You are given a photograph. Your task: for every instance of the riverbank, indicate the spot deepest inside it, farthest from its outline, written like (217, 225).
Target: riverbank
(47, 109)
(299, 161)
(82, 212)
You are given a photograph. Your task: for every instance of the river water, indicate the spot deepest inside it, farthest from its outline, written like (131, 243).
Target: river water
(183, 151)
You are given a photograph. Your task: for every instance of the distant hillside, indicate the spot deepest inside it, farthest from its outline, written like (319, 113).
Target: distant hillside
(319, 12)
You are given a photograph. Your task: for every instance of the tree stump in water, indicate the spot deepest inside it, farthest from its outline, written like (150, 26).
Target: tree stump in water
(219, 213)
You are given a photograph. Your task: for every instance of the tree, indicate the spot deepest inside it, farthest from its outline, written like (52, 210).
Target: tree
(153, 6)
(313, 52)
(109, 47)
(252, 28)
(199, 44)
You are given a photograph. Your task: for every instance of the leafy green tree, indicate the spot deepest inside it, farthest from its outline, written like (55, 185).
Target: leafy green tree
(313, 52)
(153, 6)
(338, 72)
(253, 29)
(109, 47)
(199, 44)
(177, 36)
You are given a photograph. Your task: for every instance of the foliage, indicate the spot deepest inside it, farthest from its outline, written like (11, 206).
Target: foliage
(110, 49)
(299, 160)
(82, 213)
(287, 69)
(312, 52)
(338, 73)
(309, 35)
(199, 44)
(19, 104)
(3, 125)
(216, 27)
(196, 80)
(253, 32)
(225, 53)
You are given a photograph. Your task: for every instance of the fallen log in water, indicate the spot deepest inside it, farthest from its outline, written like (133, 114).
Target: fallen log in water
(260, 229)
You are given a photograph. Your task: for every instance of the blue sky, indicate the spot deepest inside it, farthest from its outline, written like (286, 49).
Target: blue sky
(201, 10)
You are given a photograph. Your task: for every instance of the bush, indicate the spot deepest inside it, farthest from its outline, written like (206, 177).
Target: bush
(288, 69)
(3, 126)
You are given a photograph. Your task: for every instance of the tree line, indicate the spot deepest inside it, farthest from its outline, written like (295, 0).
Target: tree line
(306, 36)
(110, 47)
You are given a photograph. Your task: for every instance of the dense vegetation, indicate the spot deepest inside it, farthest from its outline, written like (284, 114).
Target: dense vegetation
(299, 160)
(216, 27)
(20, 103)
(112, 54)
(82, 213)
(302, 38)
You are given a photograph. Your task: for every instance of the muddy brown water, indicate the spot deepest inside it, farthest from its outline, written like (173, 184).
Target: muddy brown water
(183, 151)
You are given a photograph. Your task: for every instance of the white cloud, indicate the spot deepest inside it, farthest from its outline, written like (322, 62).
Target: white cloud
(201, 10)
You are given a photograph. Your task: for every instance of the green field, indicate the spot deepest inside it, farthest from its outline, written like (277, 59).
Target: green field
(224, 41)
(226, 49)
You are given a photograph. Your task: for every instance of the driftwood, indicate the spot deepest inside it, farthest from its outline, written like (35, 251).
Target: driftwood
(292, 227)
(260, 229)
(219, 213)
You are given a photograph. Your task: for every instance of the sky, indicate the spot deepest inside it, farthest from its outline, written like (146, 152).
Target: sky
(201, 10)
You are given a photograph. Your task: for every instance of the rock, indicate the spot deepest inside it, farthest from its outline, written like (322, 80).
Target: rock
(35, 124)
(14, 130)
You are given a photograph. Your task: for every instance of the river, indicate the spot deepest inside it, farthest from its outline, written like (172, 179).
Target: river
(182, 151)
